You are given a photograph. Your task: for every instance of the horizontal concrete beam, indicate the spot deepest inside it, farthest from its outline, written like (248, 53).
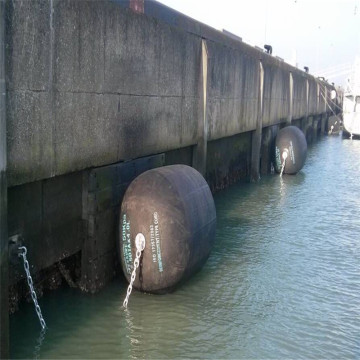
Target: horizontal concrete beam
(92, 83)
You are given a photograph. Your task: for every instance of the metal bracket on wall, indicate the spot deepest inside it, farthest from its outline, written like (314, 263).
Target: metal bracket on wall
(15, 242)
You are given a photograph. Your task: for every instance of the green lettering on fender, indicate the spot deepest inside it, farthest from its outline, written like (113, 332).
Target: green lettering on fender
(126, 244)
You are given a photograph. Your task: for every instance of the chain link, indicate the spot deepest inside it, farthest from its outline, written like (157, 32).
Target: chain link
(140, 246)
(31, 286)
(282, 168)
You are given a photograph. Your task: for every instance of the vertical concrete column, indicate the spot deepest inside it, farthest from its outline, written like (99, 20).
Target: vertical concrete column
(4, 258)
(325, 98)
(322, 110)
(257, 134)
(305, 119)
(267, 139)
(317, 98)
(323, 119)
(315, 126)
(291, 98)
(307, 97)
(200, 150)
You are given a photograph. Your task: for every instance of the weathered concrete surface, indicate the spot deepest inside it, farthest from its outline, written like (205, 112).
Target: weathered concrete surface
(109, 86)
(228, 161)
(267, 159)
(93, 87)
(257, 134)
(76, 212)
(200, 149)
(47, 214)
(4, 260)
(91, 83)
(102, 193)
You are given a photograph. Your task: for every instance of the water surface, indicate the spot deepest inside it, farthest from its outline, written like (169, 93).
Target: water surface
(283, 281)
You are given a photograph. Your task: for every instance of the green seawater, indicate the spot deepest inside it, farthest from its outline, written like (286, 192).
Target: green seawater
(283, 281)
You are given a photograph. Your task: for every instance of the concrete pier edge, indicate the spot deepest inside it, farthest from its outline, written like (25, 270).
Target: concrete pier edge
(4, 258)
(257, 134)
(100, 91)
(200, 149)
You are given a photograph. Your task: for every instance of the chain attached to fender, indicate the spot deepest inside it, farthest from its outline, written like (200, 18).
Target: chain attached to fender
(140, 246)
(284, 156)
(31, 286)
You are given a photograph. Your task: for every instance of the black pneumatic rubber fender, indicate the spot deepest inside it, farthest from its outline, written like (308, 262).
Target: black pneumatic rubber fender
(292, 140)
(173, 208)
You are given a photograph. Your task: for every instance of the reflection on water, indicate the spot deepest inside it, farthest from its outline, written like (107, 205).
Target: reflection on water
(39, 343)
(283, 281)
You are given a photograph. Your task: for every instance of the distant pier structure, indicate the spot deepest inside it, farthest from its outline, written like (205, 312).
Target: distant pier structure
(100, 91)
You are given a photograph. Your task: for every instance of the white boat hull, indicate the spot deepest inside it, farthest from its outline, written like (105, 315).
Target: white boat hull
(351, 123)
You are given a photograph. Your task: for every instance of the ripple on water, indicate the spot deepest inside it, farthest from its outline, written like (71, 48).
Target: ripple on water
(283, 281)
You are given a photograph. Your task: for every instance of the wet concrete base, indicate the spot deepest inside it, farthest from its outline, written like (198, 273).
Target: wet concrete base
(228, 161)
(63, 273)
(70, 223)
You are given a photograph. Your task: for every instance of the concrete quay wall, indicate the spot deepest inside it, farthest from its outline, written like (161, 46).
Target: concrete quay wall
(97, 94)
(91, 83)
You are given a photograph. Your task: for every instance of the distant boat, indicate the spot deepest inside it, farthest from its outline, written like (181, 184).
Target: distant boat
(351, 104)
(351, 119)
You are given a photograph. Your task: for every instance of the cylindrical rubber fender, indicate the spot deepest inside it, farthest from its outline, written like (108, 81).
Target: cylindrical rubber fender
(173, 208)
(291, 147)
